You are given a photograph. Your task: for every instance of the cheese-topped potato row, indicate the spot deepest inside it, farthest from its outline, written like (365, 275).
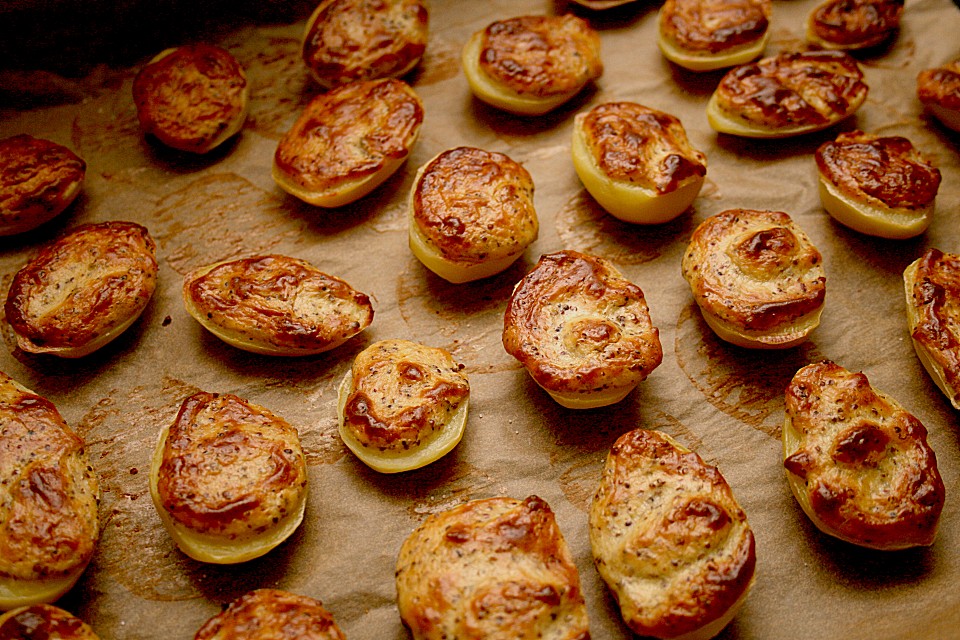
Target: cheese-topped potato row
(878, 185)
(787, 95)
(581, 330)
(402, 405)
(669, 539)
(493, 568)
(347, 141)
(228, 479)
(83, 290)
(350, 40)
(637, 162)
(471, 214)
(756, 277)
(275, 305)
(857, 462)
(39, 179)
(703, 35)
(530, 65)
(48, 500)
(192, 98)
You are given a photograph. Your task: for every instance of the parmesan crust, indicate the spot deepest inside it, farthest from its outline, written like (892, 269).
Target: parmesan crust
(348, 141)
(471, 213)
(581, 329)
(669, 539)
(939, 91)
(275, 305)
(788, 94)
(858, 462)
(497, 568)
(932, 286)
(703, 36)
(853, 24)
(271, 614)
(192, 98)
(39, 179)
(880, 185)
(83, 290)
(532, 64)
(43, 622)
(352, 40)
(756, 277)
(403, 405)
(49, 497)
(228, 479)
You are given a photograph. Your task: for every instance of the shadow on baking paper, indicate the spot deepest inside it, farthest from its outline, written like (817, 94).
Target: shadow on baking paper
(746, 384)
(583, 225)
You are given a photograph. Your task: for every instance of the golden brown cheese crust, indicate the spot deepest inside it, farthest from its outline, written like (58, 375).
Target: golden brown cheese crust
(885, 170)
(496, 569)
(578, 325)
(541, 55)
(230, 468)
(791, 90)
(940, 86)
(271, 614)
(350, 133)
(642, 146)
(855, 24)
(188, 98)
(935, 297)
(474, 205)
(756, 270)
(351, 40)
(668, 536)
(82, 286)
(43, 622)
(869, 474)
(48, 491)
(714, 26)
(38, 180)
(279, 303)
(402, 393)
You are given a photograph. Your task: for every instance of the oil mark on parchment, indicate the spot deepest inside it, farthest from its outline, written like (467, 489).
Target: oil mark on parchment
(583, 225)
(465, 319)
(441, 61)
(280, 85)
(746, 384)
(220, 217)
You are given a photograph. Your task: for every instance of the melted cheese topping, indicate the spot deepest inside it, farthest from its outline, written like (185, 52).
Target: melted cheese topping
(228, 479)
(939, 91)
(83, 290)
(351, 40)
(877, 185)
(581, 330)
(272, 614)
(932, 286)
(853, 24)
(348, 141)
(857, 462)
(43, 622)
(49, 496)
(669, 538)
(532, 64)
(38, 180)
(493, 568)
(192, 98)
(756, 277)
(788, 94)
(710, 35)
(470, 208)
(403, 405)
(275, 305)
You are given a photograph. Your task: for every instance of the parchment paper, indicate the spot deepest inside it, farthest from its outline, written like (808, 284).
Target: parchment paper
(726, 403)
